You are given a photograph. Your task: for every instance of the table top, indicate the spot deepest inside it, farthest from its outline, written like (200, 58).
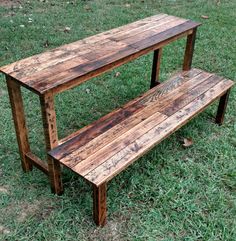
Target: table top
(71, 64)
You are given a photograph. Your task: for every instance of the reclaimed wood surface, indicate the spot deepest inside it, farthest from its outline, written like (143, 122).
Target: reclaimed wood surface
(18, 115)
(51, 140)
(188, 56)
(99, 204)
(69, 65)
(106, 147)
(156, 68)
(222, 108)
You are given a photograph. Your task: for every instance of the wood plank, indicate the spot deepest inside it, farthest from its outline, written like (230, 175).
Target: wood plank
(99, 205)
(51, 140)
(188, 56)
(156, 68)
(34, 160)
(44, 83)
(164, 36)
(190, 95)
(149, 33)
(176, 80)
(119, 118)
(131, 152)
(19, 121)
(121, 142)
(78, 75)
(83, 160)
(95, 144)
(157, 24)
(118, 143)
(96, 129)
(71, 65)
(72, 48)
(81, 59)
(222, 108)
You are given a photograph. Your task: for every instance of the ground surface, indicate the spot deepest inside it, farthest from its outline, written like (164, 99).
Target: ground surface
(172, 193)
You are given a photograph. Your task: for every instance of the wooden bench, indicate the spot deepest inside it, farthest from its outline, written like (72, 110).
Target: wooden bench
(101, 150)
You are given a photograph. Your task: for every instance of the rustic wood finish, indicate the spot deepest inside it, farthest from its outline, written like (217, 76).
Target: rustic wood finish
(188, 56)
(51, 140)
(156, 68)
(71, 64)
(19, 121)
(106, 138)
(101, 150)
(222, 108)
(37, 162)
(99, 204)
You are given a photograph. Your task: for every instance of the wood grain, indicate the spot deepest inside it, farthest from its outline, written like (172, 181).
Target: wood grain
(19, 121)
(156, 68)
(72, 64)
(222, 108)
(71, 49)
(118, 162)
(188, 56)
(112, 125)
(51, 140)
(99, 204)
(160, 112)
(34, 160)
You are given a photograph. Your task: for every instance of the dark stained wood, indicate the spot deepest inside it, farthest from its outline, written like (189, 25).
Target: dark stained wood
(86, 164)
(70, 50)
(151, 104)
(164, 109)
(144, 36)
(222, 108)
(99, 204)
(101, 150)
(156, 68)
(165, 36)
(190, 95)
(188, 56)
(72, 64)
(19, 121)
(118, 162)
(113, 123)
(51, 140)
(34, 160)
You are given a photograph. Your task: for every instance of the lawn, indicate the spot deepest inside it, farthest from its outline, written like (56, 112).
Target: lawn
(172, 193)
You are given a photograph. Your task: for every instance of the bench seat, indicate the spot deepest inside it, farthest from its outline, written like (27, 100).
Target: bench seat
(103, 149)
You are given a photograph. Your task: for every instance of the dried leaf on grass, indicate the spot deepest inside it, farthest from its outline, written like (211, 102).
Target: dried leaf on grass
(117, 74)
(187, 142)
(67, 29)
(46, 44)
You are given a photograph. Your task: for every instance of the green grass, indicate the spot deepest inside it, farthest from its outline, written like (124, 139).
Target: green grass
(171, 193)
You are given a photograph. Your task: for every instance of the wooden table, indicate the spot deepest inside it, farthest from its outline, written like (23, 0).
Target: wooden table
(63, 68)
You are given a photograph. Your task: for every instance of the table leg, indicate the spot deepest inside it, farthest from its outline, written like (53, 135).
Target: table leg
(156, 68)
(99, 204)
(18, 114)
(188, 56)
(51, 140)
(222, 108)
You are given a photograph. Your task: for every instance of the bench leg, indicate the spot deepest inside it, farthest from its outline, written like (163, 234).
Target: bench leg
(222, 108)
(99, 204)
(17, 107)
(188, 56)
(156, 68)
(51, 140)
